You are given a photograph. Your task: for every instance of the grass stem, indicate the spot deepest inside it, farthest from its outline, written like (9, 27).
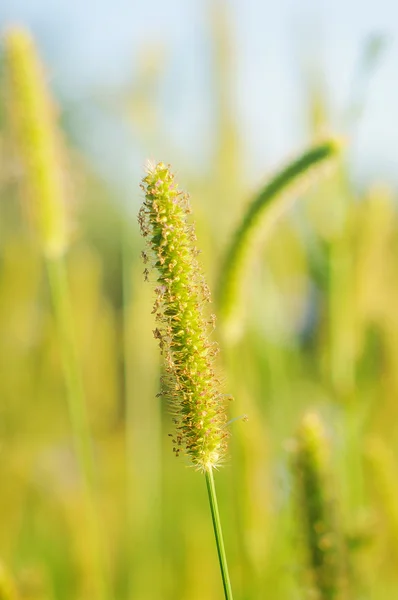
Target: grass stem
(211, 490)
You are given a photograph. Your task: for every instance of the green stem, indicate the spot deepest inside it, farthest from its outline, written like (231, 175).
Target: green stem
(211, 490)
(77, 408)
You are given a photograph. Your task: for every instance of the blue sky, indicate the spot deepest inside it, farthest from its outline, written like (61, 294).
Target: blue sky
(94, 45)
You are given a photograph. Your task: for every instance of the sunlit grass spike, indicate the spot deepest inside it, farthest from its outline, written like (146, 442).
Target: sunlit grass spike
(322, 538)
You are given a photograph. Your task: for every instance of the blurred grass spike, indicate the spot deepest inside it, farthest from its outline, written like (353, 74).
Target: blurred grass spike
(322, 539)
(8, 590)
(37, 142)
(272, 201)
(190, 383)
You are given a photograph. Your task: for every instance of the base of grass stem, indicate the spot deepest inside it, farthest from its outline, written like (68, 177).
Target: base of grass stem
(211, 490)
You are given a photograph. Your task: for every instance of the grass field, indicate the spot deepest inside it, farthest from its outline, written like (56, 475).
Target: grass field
(93, 502)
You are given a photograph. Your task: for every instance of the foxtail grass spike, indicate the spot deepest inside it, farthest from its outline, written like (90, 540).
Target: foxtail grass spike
(190, 383)
(322, 539)
(36, 139)
(266, 207)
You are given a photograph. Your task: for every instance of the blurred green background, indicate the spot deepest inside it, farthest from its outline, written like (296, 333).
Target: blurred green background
(320, 331)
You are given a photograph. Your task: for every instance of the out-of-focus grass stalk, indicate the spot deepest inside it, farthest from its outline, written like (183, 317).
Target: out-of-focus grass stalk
(37, 143)
(77, 408)
(344, 331)
(226, 179)
(266, 207)
(128, 394)
(143, 435)
(371, 56)
(8, 589)
(342, 313)
(384, 470)
(324, 548)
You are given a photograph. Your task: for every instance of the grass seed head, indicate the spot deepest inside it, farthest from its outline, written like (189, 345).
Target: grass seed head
(183, 329)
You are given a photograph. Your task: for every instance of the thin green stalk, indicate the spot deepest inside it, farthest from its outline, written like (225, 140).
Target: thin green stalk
(77, 407)
(143, 509)
(222, 557)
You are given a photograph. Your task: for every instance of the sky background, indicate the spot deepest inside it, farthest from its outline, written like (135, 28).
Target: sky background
(93, 48)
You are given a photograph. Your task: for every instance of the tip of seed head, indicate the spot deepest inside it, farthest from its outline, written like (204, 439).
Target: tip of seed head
(150, 165)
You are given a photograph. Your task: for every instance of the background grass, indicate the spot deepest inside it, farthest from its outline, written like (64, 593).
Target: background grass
(320, 333)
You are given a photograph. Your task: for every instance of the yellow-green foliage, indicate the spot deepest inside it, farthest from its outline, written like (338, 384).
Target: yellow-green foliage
(383, 473)
(7, 586)
(322, 332)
